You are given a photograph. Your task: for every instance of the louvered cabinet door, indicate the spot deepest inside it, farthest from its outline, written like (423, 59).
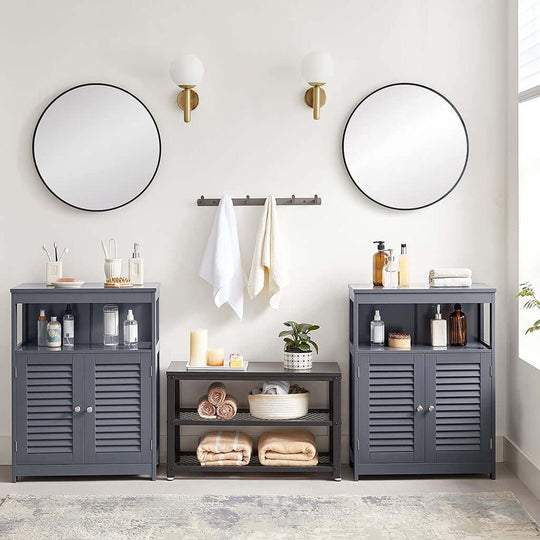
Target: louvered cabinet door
(390, 389)
(47, 430)
(118, 389)
(458, 386)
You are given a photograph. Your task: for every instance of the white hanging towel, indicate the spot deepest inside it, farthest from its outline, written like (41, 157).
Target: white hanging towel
(221, 265)
(268, 265)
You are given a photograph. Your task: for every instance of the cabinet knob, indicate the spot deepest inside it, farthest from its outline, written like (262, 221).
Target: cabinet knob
(77, 409)
(431, 408)
(420, 408)
(89, 409)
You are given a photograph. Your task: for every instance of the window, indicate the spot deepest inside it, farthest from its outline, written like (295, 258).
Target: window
(529, 169)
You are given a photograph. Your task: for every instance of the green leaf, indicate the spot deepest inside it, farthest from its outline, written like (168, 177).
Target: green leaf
(307, 327)
(292, 324)
(286, 333)
(303, 347)
(315, 346)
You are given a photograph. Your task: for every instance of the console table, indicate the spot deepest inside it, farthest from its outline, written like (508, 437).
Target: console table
(426, 410)
(179, 415)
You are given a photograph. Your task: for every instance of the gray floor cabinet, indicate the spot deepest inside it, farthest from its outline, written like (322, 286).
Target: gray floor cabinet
(427, 410)
(89, 409)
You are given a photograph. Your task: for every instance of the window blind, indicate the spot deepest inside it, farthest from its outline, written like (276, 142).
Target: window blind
(529, 49)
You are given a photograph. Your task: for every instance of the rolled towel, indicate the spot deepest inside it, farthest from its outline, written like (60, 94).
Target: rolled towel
(221, 448)
(450, 273)
(217, 392)
(450, 282)
(276, 387)
(206, 409)
(288, 448)
(228, 408)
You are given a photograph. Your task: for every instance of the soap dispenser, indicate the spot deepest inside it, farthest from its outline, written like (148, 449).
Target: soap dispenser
(377, 329)
(136, 267)
(390, 272)
(458, 327)
(379, 260)
(438, 330)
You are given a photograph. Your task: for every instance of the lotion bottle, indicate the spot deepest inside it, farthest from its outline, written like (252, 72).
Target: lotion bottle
(390, 272)
(438, 330)
(377, 330)
(136, 267)
(403, 267)
(42, 329)
(379, 260)
(54, 334)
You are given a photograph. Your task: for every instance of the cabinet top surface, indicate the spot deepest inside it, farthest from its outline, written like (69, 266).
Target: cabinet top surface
(273, 368)
(86, 287)
(420, 288)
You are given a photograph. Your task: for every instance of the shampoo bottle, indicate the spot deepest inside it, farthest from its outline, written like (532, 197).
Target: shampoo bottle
(438, 330)
(379, 260)
(42, 329)
(69, 327)
(377, 330)
(136, 267)
(54, 334)
(390, 272)
(403, 267)
(458, 327)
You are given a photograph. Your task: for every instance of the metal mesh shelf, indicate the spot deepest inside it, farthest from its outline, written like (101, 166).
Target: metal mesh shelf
(315, 417)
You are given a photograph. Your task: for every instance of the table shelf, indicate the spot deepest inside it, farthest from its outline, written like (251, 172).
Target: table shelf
(315, 417)
(179, 416)
(188, 462)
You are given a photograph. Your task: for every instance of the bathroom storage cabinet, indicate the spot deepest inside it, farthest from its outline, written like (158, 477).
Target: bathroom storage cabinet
(425, 410)
(179, 462)
(89, 409)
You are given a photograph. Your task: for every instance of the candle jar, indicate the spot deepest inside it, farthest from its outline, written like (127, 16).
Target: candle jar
(215, 357)
(110, 325)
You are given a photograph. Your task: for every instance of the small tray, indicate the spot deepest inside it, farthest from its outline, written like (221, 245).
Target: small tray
(68, 284)
(217, 368)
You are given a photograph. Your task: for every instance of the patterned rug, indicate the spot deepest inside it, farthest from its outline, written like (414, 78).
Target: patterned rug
(440, 516)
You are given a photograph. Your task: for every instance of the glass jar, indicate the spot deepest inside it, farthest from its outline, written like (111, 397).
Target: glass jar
(110, 325)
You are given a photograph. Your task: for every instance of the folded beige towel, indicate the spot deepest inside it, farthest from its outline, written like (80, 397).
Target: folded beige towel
(217, 392)
(222, 448)
(450, 273)
(205, 408)
(228, 408)
(295, 447)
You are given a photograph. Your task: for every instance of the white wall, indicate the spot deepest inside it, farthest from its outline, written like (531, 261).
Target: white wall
(253, 134)
(522, 444)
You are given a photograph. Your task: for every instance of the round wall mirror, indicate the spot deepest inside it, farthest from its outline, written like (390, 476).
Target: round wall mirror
(96, 147)
(405, 146)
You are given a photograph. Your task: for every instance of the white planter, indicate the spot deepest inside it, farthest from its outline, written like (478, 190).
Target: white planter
(297, 361)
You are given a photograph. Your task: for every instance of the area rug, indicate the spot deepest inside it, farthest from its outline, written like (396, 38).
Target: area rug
(440, 516)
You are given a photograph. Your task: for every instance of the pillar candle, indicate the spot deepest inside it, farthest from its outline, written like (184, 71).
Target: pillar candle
(198, 345)
(216, 357)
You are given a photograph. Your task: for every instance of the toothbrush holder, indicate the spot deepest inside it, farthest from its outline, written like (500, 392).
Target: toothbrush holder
(113, 268)
(53, 272)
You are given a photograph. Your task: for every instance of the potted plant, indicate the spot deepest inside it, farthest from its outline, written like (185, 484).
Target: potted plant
(298, 354)
(532, 303)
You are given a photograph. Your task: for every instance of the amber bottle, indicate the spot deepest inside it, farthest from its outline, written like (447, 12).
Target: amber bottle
(457, 323)
(379, 260)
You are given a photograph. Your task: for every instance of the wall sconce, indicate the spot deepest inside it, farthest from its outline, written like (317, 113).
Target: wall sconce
(187, 71)
(317, 68)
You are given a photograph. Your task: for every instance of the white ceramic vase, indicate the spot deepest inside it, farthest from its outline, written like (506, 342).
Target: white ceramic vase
(297, 361)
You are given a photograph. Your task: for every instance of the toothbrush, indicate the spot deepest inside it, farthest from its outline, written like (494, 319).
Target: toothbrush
(66, 250)
(55, 251)
(45, 250)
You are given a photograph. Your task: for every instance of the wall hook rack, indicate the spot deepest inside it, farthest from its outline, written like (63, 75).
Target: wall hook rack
(259, 201)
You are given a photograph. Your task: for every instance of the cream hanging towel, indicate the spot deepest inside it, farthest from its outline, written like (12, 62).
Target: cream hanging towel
(221, 265)
(268, 266)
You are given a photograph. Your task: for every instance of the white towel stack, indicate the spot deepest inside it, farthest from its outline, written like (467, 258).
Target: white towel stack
(450, 277)
(272, 387)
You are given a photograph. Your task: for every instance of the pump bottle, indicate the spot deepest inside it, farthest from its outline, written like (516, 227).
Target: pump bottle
(379, 260)
(390, 271)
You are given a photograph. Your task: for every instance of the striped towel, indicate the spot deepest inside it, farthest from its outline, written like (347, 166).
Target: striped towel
(224, 448)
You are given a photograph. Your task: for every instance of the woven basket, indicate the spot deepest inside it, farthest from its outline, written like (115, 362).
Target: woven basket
(278, 406)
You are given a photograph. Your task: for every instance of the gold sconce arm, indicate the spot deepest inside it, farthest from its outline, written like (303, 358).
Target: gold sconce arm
(315, 97)
(187, 100)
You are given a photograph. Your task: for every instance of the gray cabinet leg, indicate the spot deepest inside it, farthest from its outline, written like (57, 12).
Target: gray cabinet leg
(335, 448)
(171, 415)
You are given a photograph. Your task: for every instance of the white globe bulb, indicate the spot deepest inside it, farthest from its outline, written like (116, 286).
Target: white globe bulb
(187, 70)
(317, 67)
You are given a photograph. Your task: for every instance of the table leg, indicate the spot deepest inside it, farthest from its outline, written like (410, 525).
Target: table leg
(171, 428)
(335, 447)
